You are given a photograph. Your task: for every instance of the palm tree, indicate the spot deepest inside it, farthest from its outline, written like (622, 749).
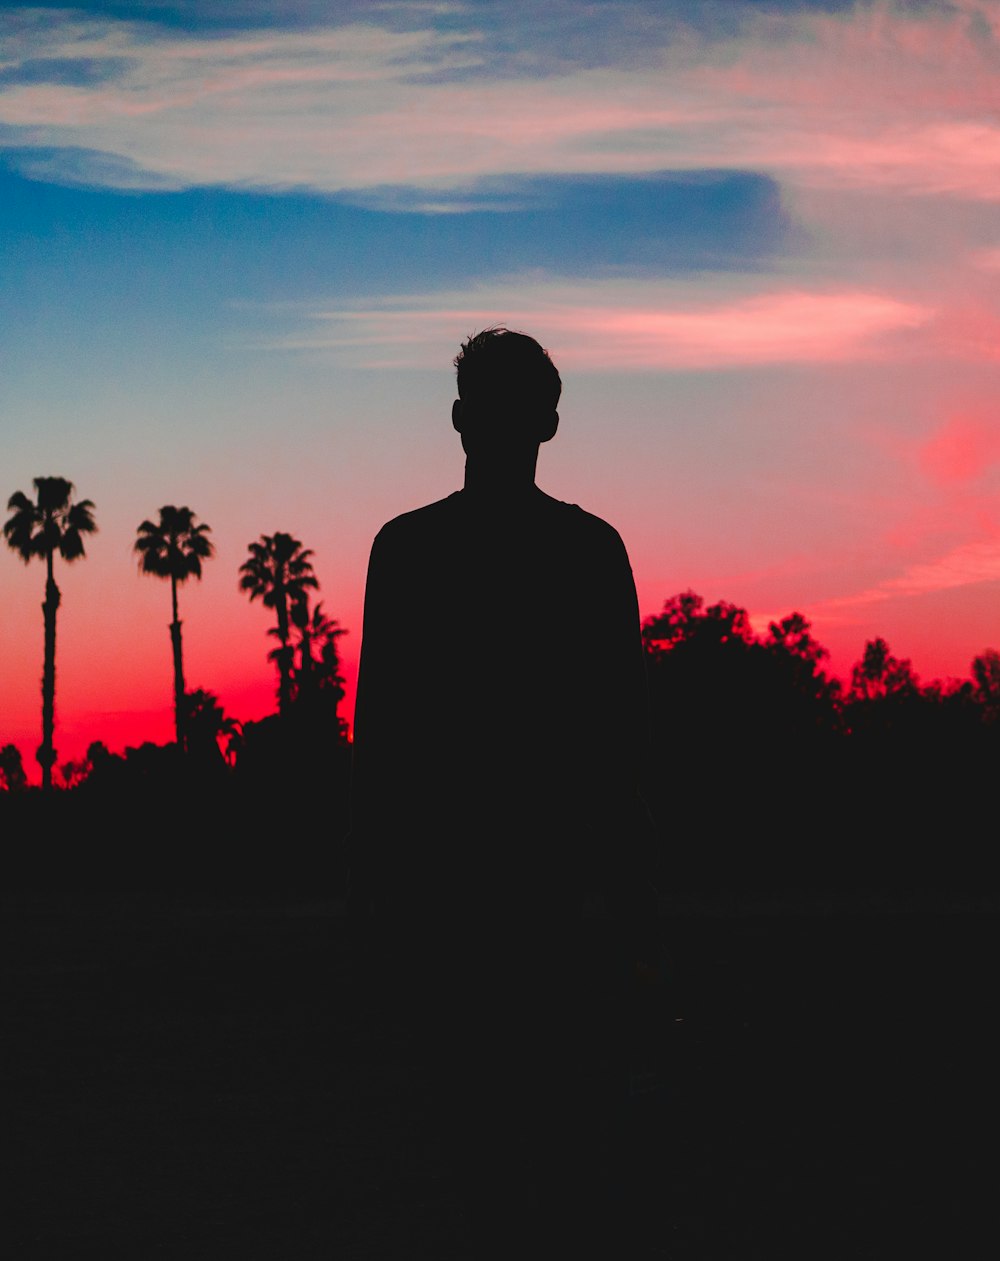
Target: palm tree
(40, 528)
(207, 725)
(174, 548)
(318, 665)
(319, 684)
(12, 776)
(279, 571)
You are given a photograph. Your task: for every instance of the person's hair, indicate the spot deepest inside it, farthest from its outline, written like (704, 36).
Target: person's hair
(498, 368)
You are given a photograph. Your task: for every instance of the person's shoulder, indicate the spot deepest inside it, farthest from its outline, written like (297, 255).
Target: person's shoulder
(587, 525)
(418, 522)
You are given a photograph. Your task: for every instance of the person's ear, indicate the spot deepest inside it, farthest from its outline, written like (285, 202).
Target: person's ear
(456, 415)
(547, 426)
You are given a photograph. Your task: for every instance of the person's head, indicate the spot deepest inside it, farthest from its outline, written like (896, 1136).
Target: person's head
(508, 392)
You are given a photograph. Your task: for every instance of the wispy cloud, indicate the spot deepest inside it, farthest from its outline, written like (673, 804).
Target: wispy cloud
(614, 326)
(969, 564)
(881, 96)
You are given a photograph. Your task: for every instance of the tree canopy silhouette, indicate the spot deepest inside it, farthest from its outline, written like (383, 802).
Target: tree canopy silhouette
(701, 675)
(207, 724)
(986, 682)
(174, 548)
(279, 573)
(39, 528)
(12, 775)
(879, 674)
(316, 665)
(714, 683)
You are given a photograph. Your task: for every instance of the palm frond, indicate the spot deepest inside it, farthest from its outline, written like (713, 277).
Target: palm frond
(19, 530)
(80, 517)
(173, 547)
(51, 523)
(71, 545)
(19, 502)
(53, 494)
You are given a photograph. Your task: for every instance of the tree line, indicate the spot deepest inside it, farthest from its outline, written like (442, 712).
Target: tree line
(719, 693)
(714, 683)
(278, 571)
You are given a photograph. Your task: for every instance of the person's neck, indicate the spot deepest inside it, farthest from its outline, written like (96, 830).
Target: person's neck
(510, 475)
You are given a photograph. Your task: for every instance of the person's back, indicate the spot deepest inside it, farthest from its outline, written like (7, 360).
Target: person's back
(502, 698)
(501, 715)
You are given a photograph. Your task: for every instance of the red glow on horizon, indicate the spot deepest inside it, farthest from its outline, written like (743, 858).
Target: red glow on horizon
(935, 657)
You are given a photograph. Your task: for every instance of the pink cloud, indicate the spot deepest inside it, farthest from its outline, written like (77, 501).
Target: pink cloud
(963, 449)
(969, 564)
(615, 327)
(790, 327)
(968, 328)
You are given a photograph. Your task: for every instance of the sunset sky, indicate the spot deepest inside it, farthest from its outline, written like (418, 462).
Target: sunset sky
(240, 244)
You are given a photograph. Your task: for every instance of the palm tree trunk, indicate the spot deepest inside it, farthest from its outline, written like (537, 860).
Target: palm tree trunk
(284, 659)
(46, 754)
(175, 640)
(306, 661)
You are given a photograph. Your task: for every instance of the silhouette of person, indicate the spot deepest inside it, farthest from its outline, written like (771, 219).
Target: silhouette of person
(500, 723)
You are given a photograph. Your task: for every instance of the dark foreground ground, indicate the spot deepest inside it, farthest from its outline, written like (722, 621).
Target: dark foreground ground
(193, 1079)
